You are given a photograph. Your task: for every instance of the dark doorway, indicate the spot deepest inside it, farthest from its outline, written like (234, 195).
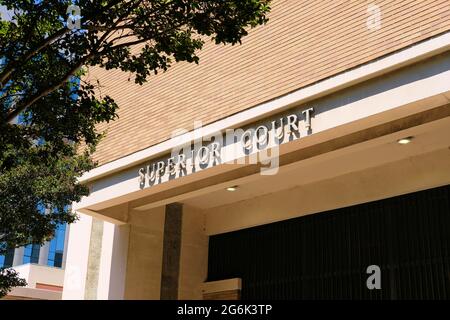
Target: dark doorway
(325, 256)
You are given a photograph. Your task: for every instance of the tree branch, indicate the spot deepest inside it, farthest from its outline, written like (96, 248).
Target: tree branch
(42, 93)
(6, 74)
(11, 67)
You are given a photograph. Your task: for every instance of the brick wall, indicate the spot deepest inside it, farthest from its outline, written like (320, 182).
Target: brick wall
(304, 42)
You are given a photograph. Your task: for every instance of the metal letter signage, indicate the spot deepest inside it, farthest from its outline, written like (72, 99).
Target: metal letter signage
(235, 146)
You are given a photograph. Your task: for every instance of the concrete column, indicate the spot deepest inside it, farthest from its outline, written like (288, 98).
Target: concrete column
(66, 243)
(43, 253)
(171, 252)
(145, 250)
(113, 262)
(18, 256)
(194, 254)
(77, 259)
(94, 258)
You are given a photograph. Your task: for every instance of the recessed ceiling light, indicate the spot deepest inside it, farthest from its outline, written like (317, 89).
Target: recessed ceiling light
(233, 188)
(405, 140)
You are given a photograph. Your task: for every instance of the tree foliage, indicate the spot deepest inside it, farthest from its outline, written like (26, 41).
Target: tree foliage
(49, 112)
(8, 279)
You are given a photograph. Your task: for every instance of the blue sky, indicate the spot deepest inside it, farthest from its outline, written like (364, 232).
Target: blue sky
(5, 14)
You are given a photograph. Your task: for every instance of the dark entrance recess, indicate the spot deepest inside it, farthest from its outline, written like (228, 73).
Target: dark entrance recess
(325, 256)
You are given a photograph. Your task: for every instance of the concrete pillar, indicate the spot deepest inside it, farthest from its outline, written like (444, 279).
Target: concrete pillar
(18, 256)
(145, 249)
(66, 243)
(95, 267)
(194, 254)
(171, 251)
(113, 262)
(94, 258)
(43, 253)
(77, 258)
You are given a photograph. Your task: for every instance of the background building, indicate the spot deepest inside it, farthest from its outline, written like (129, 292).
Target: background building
(364, 181)
(41, 266)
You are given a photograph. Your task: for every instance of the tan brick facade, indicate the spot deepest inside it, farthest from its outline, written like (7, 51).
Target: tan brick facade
(304, 42)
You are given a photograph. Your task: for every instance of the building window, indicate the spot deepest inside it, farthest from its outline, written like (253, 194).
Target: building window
(6, 261)
(31, 253)
(56, 250)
